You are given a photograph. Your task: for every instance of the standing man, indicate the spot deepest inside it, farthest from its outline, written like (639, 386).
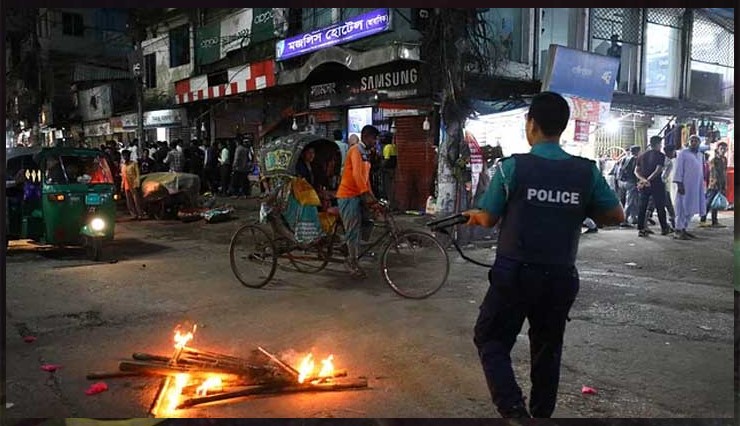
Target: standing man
(355, 196)
(628, 183)
(224, 168)
(210, 167)
(146, 164)
(541, 199)
(130, 185)
(241, 169)
(343, 148)
(175, 159)
(649, 169)
(390, 161)
(689, 178)
(717, 183)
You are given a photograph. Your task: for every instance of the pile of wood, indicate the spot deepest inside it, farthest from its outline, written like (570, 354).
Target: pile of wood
(261, 373)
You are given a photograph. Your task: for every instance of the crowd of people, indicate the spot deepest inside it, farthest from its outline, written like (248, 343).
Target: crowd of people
(674, 184)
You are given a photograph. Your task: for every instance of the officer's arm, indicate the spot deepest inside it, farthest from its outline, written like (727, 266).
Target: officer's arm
(481, 218)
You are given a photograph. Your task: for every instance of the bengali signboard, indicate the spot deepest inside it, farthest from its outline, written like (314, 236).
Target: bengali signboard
(581, 75)
(165, 118)
(581, 131)
(240, 29)
(360, 26)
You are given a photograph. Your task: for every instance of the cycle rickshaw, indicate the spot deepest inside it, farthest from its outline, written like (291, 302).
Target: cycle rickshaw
(299, 228)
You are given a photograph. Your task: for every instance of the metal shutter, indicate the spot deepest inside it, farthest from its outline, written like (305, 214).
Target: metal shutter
(417, 161)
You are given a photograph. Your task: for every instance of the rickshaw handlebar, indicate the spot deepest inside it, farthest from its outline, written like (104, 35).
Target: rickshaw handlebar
(447, 222)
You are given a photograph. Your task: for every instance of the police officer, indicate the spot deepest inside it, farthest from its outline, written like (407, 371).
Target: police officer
(541, 199)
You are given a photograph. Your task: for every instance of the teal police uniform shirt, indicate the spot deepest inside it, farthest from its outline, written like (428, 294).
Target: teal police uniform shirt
(494, 199)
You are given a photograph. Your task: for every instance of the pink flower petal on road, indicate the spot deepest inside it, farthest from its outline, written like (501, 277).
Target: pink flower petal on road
(96, 388)
(586, 390)
(29, 339)
(51, 367)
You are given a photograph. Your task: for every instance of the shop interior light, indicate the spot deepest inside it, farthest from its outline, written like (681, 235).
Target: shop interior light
(612, 126)
(426, 126)
(295, 125)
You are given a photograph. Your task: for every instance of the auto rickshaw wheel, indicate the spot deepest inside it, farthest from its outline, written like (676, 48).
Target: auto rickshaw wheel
(95, 249)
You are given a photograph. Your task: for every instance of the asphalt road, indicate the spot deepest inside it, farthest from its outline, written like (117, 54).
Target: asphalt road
(651, 331)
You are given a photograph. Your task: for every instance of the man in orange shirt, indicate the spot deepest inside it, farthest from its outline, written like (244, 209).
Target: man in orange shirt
(130, 185)
(355, 195)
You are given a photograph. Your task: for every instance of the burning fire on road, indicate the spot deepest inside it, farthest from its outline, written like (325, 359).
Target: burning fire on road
(191, 377)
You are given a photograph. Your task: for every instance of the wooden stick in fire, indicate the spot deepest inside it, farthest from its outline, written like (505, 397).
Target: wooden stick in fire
(292, 371)
(271, 389)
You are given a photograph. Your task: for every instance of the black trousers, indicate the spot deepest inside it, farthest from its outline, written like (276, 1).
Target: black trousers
(225, 170)
(240, 184)
(657, 191)
(543, 294)
(711, 193)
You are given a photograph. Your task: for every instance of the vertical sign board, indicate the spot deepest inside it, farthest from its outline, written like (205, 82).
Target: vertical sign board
(586, 79)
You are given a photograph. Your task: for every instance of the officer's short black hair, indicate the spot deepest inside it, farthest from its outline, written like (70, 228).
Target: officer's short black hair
(369, 131)
(337, 135)
(655, 140)
(551, 113)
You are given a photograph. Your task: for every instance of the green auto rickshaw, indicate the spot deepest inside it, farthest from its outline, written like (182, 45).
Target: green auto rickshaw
(60, 196)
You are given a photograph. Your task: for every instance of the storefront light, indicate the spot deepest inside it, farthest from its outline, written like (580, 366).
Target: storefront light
(426, 126)
(295, 125)
(612, 126)
(393, 126)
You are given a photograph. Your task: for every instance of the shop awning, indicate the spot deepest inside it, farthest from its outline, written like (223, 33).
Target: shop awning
(670, 107)
(351, 59)
(241, 79)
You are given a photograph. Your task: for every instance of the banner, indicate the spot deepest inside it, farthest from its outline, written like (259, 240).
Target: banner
(208, 44)
(235, 31)
(582, 131)
(263, 27)
(360, 26)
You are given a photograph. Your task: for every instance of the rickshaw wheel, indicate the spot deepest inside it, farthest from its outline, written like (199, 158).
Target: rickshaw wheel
(252, 256)
(311, 259)
(415, 265)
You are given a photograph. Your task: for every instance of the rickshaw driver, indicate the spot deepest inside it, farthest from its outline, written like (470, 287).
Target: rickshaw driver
(355, 194)
(54, 171)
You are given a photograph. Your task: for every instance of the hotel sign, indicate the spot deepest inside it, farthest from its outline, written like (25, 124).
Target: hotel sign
(361, 26)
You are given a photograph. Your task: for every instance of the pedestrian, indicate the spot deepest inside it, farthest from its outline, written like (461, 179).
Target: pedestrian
(304, 166)
(224, 167)
(240, 185)
(628, 184)
(174, 160)
(541, 199)
(390, 162)
(130, 185)
(649, 169)
(343, 148)
(352, 141)
(717, 183)
(667, 177)
(689, 179)
(210, 167)
(146, 164)
(355, 197)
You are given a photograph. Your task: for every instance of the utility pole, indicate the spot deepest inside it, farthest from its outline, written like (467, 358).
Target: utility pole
(139, 100)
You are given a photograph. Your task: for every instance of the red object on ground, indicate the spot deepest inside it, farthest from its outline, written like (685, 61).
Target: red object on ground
(586, 390)
(731, 185)
(96, 388)
(29, 339)
(51, 367)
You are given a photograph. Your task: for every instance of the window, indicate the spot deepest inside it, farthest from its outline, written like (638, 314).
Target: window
(662, 60)
(72, 24)
(65, 169)
(316, 18)
(180, 46)
(618, 32)
(712, 76)
(504, 25)
(150, 70)
(557, 26)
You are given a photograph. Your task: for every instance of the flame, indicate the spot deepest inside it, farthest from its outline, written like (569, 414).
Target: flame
(307, 368)
(170, 395)
(213, 382)
(327, 367)
(182, 339)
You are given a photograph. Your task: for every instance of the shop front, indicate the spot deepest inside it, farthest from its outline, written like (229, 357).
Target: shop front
(395, 98)
(97, 132)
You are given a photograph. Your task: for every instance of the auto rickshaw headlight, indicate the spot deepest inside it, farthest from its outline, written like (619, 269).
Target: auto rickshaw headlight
(116, 197)
(97, 224)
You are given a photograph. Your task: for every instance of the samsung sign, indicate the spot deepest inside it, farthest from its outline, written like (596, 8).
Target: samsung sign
(576, 73)
(361, 26)
(385, 80)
